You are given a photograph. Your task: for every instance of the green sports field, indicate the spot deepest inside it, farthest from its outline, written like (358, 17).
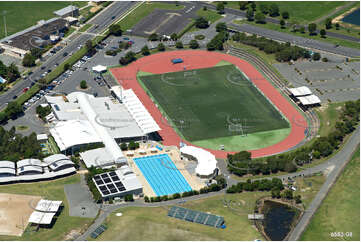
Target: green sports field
(212, 103)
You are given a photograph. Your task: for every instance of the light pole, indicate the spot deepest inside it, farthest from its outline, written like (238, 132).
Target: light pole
(4, 15)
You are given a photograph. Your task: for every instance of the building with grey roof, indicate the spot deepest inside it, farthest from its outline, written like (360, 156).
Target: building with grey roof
(70, 10)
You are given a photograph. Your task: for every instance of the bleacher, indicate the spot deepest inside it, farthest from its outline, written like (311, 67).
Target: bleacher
(98, 231)
(196, 217)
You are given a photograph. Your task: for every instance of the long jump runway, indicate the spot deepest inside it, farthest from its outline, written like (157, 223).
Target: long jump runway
(194, 59)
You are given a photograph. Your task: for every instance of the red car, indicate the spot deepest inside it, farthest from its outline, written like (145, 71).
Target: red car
(25, 89)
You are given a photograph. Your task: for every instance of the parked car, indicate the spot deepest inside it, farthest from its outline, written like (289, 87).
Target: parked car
(14, 97)
(65, 54)
(26, 89)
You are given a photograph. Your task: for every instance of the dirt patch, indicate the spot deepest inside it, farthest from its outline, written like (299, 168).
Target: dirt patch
(72, 234)
(94, 9)
(15, 211)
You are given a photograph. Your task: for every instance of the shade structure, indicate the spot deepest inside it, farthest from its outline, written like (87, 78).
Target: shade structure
(41, 217)
(309, 100)
(141, 115)
(99, 68)
(48, 206)
(300, 91)
(207, 162)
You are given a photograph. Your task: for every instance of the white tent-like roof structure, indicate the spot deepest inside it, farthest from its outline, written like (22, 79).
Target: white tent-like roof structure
(309, 100)
(207, 162)
(300, 91)
(99, 68)
(48, 205)
(41, 217)
(141, 115)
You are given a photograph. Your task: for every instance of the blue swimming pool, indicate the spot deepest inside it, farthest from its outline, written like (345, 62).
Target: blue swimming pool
(162, 175)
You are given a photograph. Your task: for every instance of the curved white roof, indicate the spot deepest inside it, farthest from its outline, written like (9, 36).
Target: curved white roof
(102, 132)
(74, 132)
(207, 162)
(56, 157)
(99, 68)
(41, 217)
(7, 164)
(29, 168)
(60, 163)
(7, 171)
(29, 162)
(48, 205)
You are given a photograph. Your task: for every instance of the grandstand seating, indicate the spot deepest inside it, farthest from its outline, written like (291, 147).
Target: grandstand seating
(196, 216)
(98, 231)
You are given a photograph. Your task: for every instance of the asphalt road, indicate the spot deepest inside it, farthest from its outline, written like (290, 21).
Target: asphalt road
(339, 161)
(103, 20)
(276, 21)
(296, 40)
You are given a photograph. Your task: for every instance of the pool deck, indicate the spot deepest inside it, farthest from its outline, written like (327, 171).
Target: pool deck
(173, 152)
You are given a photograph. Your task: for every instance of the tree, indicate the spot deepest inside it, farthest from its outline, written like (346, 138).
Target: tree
(89, 45)
(179, 45)
(323, 33)
(285, 15)
(316, 56)
(250, 14)
(328, 23)
(242, 5)
(276, 193)
(290, 167)
(174, 36)
(298, 199)
(274, 10)
(145, 50)
(263, 7)
(36, 52)
(312, 28)
(28, 60)
(302, 29)
(83, 84)
(161, 47)
(205, 8)
(221, 27)
(42, 81)
(220, 7)
(253, 6)
(337, 25)
(128, 198)
(201, 23)
(153, 37)
(124, 146)
(66, 66)
(193, 44)
(260, 18)
(146, 199)
(115, 29)
(13, 109)
(131, 145)
(282, 23)
(288, 194)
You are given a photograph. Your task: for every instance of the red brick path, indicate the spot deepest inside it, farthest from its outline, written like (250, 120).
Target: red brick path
(195, 59)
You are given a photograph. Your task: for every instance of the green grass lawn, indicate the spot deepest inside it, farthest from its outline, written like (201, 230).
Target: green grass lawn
(69, 32)
(21, 15)
(340, 210)
(154, 224)
(213, 99)
(250, 142)
(209, 15)
(287, 30)
(53, 190)
(144, 10)
(301, 11)
(85, 27)
(328, 117)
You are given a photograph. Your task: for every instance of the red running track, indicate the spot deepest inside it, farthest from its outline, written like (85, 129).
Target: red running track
(195, 59)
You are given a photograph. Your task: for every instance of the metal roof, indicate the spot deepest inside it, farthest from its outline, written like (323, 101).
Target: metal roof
(309, 100)
(300, 91)
(48, 205)
(7, 164)
(41, 217)
(66, 10)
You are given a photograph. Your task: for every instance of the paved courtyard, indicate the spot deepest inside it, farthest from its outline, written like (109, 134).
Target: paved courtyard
(330, 81)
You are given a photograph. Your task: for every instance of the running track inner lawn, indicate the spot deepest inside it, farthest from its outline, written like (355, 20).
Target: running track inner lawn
(195, 59)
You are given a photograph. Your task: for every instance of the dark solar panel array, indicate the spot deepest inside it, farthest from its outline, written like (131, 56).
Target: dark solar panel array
(196, 216)
(109, 183)
(98, 231)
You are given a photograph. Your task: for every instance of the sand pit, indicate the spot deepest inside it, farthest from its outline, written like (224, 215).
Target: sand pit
(15, 211)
